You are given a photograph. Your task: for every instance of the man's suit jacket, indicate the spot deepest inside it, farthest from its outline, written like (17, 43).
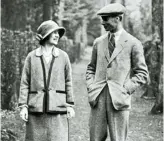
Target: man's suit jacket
(124, 71)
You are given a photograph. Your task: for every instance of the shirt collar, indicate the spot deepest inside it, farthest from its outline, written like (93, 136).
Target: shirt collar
(118, 33)
(55, 51)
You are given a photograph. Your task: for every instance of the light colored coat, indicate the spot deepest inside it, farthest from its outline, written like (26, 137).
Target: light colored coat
(124, 71)
(32, 80)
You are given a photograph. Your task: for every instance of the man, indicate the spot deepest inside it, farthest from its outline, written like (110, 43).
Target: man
(117, 68)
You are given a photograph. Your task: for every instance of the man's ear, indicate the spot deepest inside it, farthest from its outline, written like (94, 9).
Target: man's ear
(118, 18)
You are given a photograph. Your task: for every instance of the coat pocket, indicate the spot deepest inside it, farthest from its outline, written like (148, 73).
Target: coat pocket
(57, 102)
(35, 101)
(94, 91)
(120, 98)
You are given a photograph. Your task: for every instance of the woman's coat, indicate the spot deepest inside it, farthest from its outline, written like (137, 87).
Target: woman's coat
(32, 82)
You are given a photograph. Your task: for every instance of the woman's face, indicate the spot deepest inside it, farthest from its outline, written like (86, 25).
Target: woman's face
(53, 38)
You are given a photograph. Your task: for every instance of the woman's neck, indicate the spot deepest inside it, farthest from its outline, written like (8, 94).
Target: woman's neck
(47, 49)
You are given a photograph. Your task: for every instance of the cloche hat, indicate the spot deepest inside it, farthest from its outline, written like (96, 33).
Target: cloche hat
(46, 28)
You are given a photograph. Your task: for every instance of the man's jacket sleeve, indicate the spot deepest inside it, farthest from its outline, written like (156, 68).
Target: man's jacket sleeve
(91, 68)
(139, 69)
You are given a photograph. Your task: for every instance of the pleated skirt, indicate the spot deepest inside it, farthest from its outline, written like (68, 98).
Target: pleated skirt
(47, 127)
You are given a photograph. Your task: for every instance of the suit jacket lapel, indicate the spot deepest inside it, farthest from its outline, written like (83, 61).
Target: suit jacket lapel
(119, 46)
(105, 45)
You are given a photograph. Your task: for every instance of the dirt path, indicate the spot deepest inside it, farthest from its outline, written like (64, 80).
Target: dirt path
(79, 125)
(143, 127)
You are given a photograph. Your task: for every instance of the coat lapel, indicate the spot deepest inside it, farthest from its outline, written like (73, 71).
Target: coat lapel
(39, 52)
(105, 45)
(119, 46)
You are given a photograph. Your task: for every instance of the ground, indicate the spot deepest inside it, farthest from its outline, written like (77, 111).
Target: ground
(143, 126)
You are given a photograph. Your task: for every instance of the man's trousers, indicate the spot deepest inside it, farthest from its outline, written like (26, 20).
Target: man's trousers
(103, 117)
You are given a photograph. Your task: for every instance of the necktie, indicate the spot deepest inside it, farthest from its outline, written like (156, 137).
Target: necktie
(112, 39)
(112, 44)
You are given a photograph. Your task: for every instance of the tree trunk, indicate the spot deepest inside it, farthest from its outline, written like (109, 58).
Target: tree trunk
(47, 10)
(124, 20)
(157, 28)
(84, 31)
(77, 35)
(78, 40)
(61, 12)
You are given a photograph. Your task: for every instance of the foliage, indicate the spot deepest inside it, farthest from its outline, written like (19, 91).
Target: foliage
(29, 14)
(23, 13)
(74, 50)
(139, 20)
(78, 9)
(12, 127)
(15, 46)
(75, 12)
(146, 20)
(8, 64)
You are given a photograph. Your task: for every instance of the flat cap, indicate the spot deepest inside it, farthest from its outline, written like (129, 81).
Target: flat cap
(114, 8)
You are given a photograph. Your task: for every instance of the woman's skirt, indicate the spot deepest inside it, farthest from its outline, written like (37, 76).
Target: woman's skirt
(47, 127)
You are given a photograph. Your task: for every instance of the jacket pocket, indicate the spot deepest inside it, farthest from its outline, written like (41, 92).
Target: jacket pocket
(35, 101)
(94, 91)
(120, 98)
(90, 87)
(57, 101)
(129, 87)
(121, 88)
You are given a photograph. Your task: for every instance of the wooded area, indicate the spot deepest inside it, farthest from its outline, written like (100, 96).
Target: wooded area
(20, 19)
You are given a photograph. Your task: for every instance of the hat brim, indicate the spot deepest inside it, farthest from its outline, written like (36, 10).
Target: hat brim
(110, 14)
(60, 29)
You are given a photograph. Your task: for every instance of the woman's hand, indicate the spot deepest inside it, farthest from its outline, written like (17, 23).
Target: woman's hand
(24, 113)
(70, 112)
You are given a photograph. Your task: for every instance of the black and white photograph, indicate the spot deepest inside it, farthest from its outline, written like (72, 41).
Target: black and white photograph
(81, 70)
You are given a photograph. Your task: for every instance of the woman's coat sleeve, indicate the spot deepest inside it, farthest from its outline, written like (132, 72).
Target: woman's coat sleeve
(25, 83)
(68, 81)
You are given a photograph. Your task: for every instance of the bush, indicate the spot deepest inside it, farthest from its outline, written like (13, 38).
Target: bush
(12, 126)
(74, 50)
(15, 47)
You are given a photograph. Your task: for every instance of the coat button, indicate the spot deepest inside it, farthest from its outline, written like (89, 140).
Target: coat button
(49, 89)
(109, 66)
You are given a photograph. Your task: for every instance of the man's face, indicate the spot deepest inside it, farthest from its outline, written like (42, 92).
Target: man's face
(110, 23)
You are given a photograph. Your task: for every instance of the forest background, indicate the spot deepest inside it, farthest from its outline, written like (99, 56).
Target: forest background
(20, 19)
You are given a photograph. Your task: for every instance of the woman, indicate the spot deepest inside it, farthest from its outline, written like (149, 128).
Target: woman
(46, 95)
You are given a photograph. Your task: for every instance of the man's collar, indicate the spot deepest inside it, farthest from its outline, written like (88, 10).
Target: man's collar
(118, 33)
(55, 51)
